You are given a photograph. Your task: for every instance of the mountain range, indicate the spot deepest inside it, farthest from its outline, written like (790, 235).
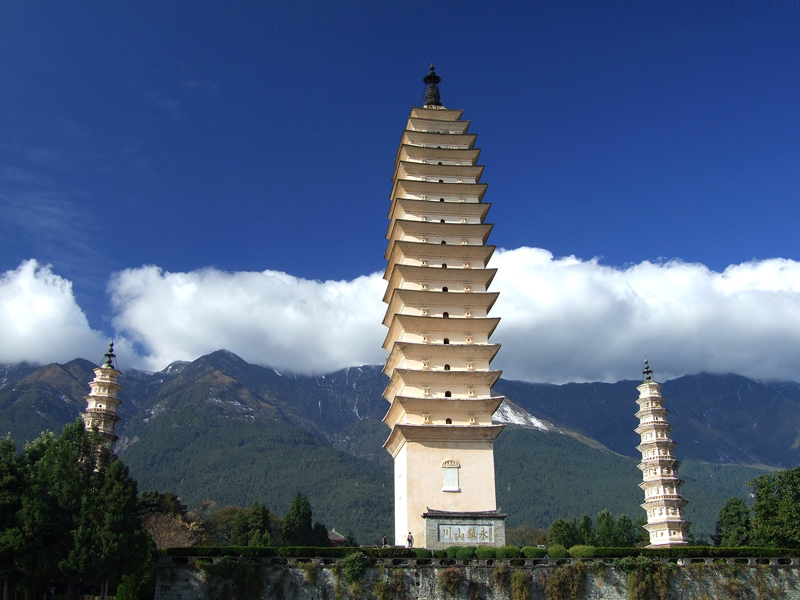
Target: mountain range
(220, 428)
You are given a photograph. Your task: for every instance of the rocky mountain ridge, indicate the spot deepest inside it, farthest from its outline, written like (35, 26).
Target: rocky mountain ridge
(219, 427)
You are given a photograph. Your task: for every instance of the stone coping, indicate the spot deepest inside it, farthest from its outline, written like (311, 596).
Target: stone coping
(511, 562)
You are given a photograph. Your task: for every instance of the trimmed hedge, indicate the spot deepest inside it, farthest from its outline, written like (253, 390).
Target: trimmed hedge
(395, 552)
(698, 552)
(557, 551)
(533, 552)
(213, 551)
(314, 552)
(554, 551)
(507, 552)
(465, 553)
(579, 551)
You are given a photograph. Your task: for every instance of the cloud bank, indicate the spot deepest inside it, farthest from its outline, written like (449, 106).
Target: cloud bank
(267, 318)
(563, 319)
(41, 322)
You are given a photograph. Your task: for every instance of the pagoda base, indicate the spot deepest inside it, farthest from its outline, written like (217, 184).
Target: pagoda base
(444, 529)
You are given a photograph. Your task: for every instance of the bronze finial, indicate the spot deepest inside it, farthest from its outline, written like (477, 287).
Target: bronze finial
(432, 91)
(110, 356)
(648, 372)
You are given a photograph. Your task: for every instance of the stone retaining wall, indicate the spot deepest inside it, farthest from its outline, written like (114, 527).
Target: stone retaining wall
(191, 578)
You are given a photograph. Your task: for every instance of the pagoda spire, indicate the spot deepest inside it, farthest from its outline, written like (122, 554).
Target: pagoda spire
(663, 501)
(102, 401)
(439, 365)
(432, 90)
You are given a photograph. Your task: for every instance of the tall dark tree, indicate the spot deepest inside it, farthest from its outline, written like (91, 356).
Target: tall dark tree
(157, 502)
(74, 516)
(258, 524)
(733, 524)
(626, 533)
(58, 474)
(606, 534)
(563, 532)
(298, 527)
(12, 485)
(584, 530)
(110, 531)
(776, 520)
(319, 535)
(240, 534)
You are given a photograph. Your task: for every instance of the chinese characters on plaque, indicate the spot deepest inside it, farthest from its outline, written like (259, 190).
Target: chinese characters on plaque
(466, 533)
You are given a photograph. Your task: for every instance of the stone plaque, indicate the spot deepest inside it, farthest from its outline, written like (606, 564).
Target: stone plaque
(464, 533)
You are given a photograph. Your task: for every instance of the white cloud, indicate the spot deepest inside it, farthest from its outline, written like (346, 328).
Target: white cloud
(562, 319)
(41, 322)
(268, 318)
(571, 320)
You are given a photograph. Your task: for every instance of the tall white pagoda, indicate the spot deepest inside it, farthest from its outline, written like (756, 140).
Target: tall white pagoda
(102, 401)
(440, 386)
(662, 488)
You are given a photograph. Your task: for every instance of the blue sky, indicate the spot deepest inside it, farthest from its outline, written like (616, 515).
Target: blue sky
(151, 148)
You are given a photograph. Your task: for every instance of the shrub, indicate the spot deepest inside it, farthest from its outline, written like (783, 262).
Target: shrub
(354, 566)
(449, 580)
(533, 552)
(440, 554)
(485, 552)
(501, 576)
(579, 551)
(219, 551)
(452, 551)
(557, 551)
(465, 553)
(392, 552)
(315, 552)
(520, 585)
(381, 590)
(567, 581)
(422, 553)
(310, 572)
(507, 552)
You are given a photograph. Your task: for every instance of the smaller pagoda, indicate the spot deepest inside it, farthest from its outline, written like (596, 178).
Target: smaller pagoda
(662, 488)
(102, 401)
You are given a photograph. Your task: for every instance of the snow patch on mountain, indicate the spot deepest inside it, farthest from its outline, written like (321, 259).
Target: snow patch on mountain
(510, 414)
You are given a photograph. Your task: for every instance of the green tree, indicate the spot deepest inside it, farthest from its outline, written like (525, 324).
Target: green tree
(319, 535)
(219, 525)
(606, 535)
(351, 539)
(156, 502)
(77, 512)
(12, 484)
(297, 525)
(584, 530)
(562, 532)
(58, 476)
(240, 533)
(626, 533)
(298, 528)
(109, 540)
(776, 520)
(258, 524)
(733, 524)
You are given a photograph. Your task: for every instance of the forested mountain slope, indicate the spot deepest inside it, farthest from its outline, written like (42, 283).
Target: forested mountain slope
(224, 429)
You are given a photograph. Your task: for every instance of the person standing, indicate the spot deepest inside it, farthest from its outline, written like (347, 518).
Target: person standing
(410, 540)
